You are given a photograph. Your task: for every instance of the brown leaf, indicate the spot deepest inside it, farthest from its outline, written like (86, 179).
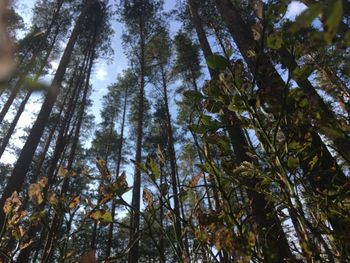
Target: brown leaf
(35, 193)
(13, 203)
(75, 202)
(195, 180)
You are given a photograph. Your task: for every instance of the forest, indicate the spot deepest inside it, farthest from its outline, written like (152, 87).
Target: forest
(221, 135)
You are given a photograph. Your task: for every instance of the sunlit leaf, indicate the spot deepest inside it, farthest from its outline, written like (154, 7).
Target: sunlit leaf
(62, 171)
(35, 193)
(101, 215)
(75, 202)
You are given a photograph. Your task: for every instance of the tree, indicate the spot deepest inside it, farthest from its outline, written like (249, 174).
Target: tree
(140, 20)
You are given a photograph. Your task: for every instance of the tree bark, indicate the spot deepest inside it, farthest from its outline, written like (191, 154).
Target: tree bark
(119, 159)
(173, 165)
(136, 193)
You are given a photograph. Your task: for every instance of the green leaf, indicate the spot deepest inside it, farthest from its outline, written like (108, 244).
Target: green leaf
(293, 162)
(207, 121)
(154, 169)
(217, 62)
(305, 18)
(140, 166)
(229, 52)
(107, 217)
(200, 129)
(275, 41)
(303, 103)
(332, 19)
(193, 95)
(302, 72)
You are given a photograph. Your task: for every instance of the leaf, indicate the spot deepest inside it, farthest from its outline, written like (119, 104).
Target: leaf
(102, 167)
(164, 189)
(33, 85)
(302, 72)
(154, 169)
(62, 171)
(305, 18)
(293, 162)
(200, 129)
(121, 186)
(75, 202)
(332, 19)
(217, 62)
(195, 180)
(193, 95)
(102, 216)
(53, 199)
(35, 193)
(209, 122)
(140, 166)
(229, 52)
(303, 103)
(147, 198)
(43, 182)
(275, 41)
(105, 198)
(183, 195)
(12, 204)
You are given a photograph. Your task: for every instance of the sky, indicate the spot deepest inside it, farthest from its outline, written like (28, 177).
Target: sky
(105, 71)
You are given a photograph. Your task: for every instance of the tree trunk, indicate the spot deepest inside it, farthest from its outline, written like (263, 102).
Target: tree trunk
(136, 193)
(173, 166)
(119, 159)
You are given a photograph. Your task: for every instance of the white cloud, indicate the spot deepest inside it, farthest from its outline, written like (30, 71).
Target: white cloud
(101, 72)
(294, 9)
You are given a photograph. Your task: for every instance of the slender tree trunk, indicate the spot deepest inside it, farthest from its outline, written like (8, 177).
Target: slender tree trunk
(119, 159)
(173, 166)
(26, 156)
(136, 193)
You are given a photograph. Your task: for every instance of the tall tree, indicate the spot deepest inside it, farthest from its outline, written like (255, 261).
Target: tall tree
(139, 17)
